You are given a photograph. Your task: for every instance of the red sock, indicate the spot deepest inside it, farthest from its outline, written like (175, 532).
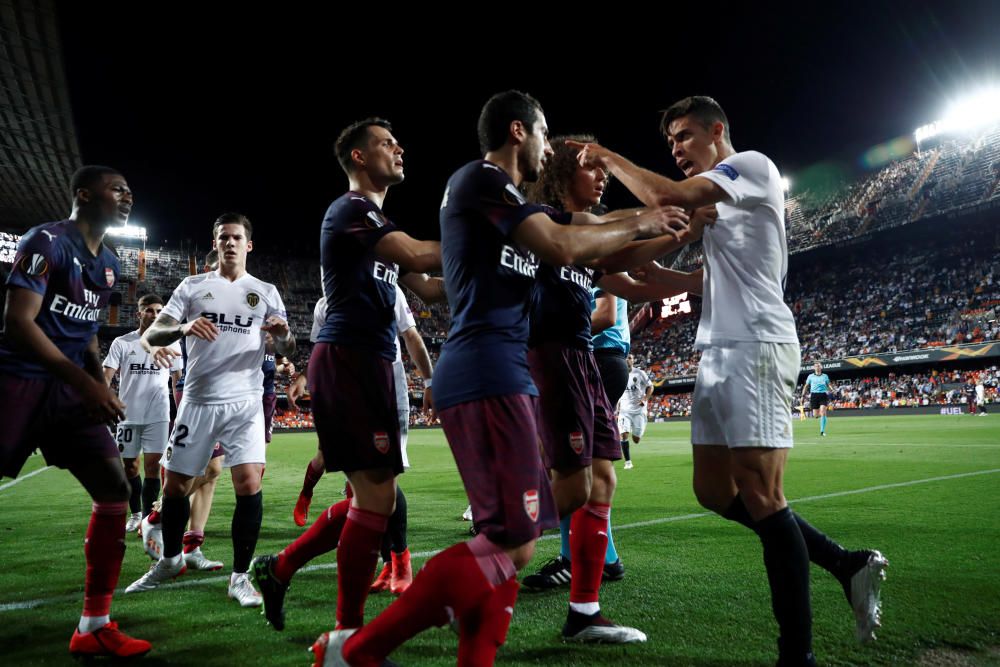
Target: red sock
(484, 630)
(313, 475)
(193, 539)
(105, 550)
(588, 542)
(360, 543)
(153, 517)
(321, 538)
(449, 585)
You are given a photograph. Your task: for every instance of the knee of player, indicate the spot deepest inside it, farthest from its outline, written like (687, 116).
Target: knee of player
(131, 467)
(571, 493)
(762, 503)
(710, 497)
(212, 474)
(177, 486)
(604, 480)
(151, 468)
(246, 486)
(522, 554)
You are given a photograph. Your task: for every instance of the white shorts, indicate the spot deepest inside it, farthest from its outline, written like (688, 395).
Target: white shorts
(135, 439)
(402, 407)
(743, 395)
(632, 422)
(237, 426)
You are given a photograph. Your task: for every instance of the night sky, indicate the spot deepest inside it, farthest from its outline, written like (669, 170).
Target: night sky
(207, 110)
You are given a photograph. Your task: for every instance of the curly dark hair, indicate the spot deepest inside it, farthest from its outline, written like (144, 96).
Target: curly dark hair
(553, 185)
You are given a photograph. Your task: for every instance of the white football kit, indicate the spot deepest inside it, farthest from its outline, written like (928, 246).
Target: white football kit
(224, 381)
(631, 409)
(144, 388)
(750, 350)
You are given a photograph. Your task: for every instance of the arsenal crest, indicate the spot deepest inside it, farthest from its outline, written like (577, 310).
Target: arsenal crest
(381, 441)
(576, 441)
(531, 504)
(109, 276)
(253, 299)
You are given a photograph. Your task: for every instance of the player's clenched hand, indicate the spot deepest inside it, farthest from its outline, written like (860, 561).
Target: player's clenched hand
(700, 218)
(164, 356)
(101, 404)
(663, 221)
(297, 390)
(201, 328)
(276, 326)
(428, 402)
(590, 154)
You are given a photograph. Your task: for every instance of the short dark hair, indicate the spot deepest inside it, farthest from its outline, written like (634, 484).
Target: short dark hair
(499, 112)
(212, 258)
(354, 136)
(149, 299)
(703, 108)
(87, 176)
(233, 219)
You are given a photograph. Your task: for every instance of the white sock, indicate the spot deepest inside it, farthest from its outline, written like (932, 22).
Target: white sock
(588, 608)
(173, 561)
(236, 576)
(91, 623)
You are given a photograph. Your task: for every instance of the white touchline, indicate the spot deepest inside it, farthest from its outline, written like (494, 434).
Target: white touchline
(31, 604)
(21, 479)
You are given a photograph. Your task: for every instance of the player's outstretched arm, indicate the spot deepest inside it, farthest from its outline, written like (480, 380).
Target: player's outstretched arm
(650, 188)
(409, 253)
(561, 245)
(659, 279)
(428, 289)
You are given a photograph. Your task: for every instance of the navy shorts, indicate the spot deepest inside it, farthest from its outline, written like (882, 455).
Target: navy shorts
(575, 420)
(47, 414)
(614, 372)
(495, 444)
(270, 403)
(354, 408)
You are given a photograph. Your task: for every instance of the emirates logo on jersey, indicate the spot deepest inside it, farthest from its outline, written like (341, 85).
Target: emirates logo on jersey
(381, 440)
(253, 299)
(109, 276)
(576, 441)
(531, 504)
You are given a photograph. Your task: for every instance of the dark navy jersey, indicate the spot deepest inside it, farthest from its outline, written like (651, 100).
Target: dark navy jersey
(560, 300)
(179, 385)
(360, 286)
(269, 367)
(489, 280)
(53, 260)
